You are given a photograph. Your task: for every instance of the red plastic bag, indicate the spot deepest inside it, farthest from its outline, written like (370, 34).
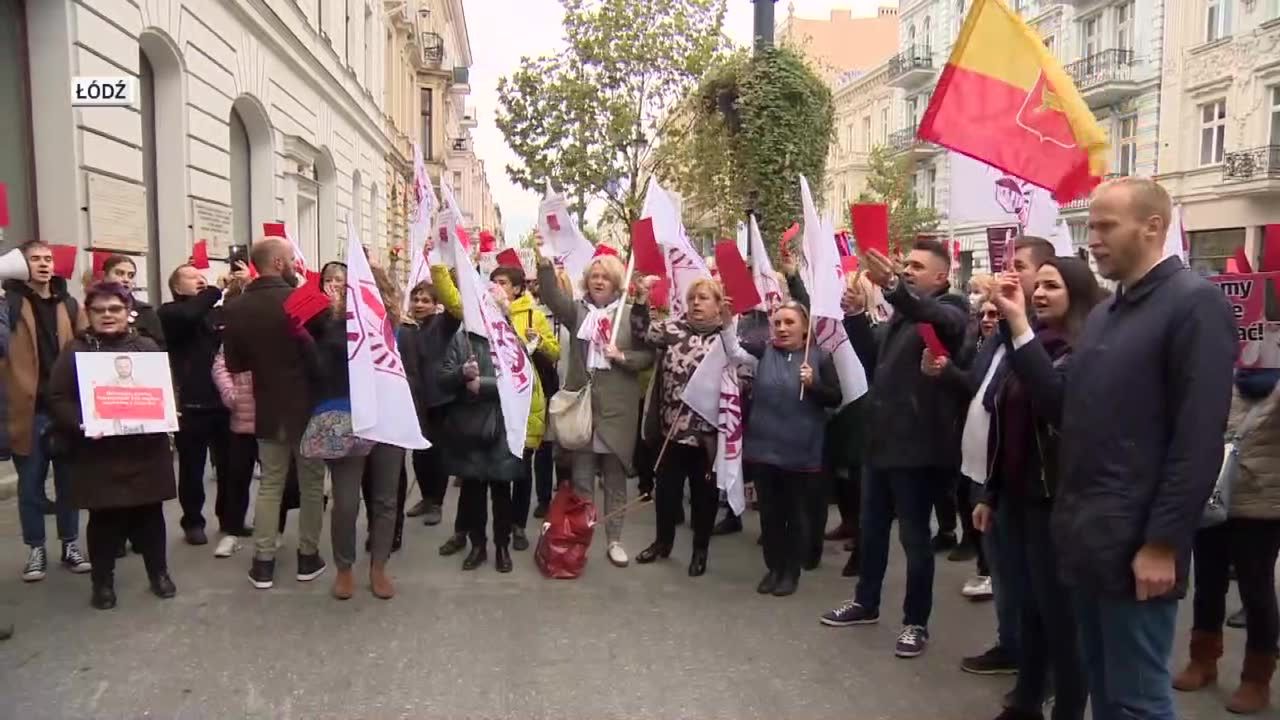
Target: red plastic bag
(562, 550)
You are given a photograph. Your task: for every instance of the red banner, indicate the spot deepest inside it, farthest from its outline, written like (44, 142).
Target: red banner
(1255, 304)
(128, 403)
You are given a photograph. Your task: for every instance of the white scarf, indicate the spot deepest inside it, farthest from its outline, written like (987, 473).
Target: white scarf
(597, 330)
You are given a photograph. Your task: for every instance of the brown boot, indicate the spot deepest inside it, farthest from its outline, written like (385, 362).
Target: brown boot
(1202, 670)
(1254, 693)
(343, 584)
(380, 581)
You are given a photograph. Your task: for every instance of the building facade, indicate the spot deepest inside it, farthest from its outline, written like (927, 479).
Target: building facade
(864, 103)
(841, 42)
(1220, 124)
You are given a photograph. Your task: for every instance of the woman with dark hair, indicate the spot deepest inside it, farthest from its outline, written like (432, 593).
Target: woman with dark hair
(1020, 387)
(121, 269)
(122, 479)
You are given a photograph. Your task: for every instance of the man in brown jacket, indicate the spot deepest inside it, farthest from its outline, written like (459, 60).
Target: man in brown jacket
(43, 318)
(259, 338)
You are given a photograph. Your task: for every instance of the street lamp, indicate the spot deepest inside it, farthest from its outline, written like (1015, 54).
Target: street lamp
(763, 24)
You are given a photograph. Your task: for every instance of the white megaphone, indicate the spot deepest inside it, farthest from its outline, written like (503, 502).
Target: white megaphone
(13, 266)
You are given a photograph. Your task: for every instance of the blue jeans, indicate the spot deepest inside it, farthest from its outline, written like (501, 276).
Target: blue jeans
(32, 470)
(908, 494)
(1125, 645)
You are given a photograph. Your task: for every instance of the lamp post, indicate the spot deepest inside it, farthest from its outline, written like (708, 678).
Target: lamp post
(763, 24)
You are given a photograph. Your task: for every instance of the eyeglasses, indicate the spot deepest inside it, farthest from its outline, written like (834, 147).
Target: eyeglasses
(107, 309)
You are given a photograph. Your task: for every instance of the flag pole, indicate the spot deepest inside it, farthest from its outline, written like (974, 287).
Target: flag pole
(622, 297)
(808, 341)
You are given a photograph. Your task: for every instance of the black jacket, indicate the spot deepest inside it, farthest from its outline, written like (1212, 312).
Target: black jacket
(427, 343)
(146, 321)
(914, 422)
(192, 329)
(473, 439)
(1144, 401)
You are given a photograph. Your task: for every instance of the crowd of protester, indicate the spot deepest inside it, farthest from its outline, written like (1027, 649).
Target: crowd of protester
(1066, 441)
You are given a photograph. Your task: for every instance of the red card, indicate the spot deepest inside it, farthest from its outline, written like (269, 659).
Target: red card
(64, 260)
(553, 222)
(200, 255)
(1242, 260)
(660, 293)
(306, 302)
(313, 277)
(870, 226)
(487, 241)
(784, 247)
(645, 247)
(931, 340)
(273, 229)
(4, 205)
(849, 263)
(509, 258)
(736, 277)
(99, 261)
(1271, 249)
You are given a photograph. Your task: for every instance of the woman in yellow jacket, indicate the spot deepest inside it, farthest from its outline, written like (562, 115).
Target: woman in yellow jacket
(540, 339)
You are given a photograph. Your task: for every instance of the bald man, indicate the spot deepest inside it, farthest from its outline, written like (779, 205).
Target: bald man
(259, 338)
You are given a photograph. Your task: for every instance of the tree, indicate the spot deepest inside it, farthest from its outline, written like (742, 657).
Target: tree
(755, 124)
(889, 181)
(589, 118)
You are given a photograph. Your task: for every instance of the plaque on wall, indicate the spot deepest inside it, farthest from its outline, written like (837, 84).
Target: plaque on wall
(117, 215)
(212, 223)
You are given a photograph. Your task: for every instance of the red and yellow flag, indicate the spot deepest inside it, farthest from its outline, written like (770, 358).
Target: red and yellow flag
(1006, 101)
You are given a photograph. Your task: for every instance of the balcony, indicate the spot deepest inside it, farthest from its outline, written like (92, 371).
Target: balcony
(1104, 78)
(912, 67)
(432, 48)
(461, 81)
(458, 146)
(904, 142)
(469, 118)
(1083, 203)
(1258, 164)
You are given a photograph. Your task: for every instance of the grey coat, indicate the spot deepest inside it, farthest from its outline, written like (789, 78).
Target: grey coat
(1256, 493)
(616, 392)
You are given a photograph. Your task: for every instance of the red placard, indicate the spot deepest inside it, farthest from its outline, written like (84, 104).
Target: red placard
(273, 229)
(1242, 261)
(100, 261)
(509, 258)
(4, 205)
(931, 340)
(849, 263)
(200, 255)
(788, 235)
(128, 403)
(660, 293)
(306, 302)
(870, 226)
(1271, 249)
(64, 260)
(736, 277)
(645, 247)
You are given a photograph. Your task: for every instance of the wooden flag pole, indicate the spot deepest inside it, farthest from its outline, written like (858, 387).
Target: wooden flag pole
(808, 340)
(622, 297)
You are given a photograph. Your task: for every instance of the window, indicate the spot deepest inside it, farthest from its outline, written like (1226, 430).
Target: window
(1089, 36)
(1217, 19)
(884, 125)
(931, 181)
(866, 132)
(17, 163)
(1127, 145)
(927, 39)
(911, 37)
(1213, 131)
(912, 105)
(1275, 116)
(427, 148)
(368, 48)
(1124, 26)
(1210, 249)
(848, 138)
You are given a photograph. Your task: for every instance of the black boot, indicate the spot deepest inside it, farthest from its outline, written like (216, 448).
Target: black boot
(653, 552)
(729, 525)
(768, 584)
(454, 545)
(787, 584)
(477, 557)
(104, 595)
(698, 563)
(502, 559)
(162, 586)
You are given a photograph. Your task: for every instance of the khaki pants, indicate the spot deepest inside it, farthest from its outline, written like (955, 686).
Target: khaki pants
(274, 456)
(586, 465)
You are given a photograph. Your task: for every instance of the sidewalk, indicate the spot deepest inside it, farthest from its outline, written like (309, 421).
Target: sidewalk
(8, 481)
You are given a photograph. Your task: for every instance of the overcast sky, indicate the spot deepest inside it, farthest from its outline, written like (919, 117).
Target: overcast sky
(502, 31)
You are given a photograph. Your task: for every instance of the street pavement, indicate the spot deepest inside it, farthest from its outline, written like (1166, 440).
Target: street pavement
(640, 642)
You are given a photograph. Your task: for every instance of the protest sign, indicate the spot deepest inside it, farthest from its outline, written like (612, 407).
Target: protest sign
(128, 393)
(1000, 248)
(870, 226)
(1253, 298)
(736, 277)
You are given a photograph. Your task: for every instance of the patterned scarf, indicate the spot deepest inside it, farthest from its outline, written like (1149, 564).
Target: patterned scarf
(597, 330)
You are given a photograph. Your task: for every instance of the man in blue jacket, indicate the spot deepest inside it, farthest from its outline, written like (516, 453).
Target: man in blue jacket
(1144, 408)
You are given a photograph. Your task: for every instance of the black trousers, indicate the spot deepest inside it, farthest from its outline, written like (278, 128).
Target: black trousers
(432, 480)
(471, 507)
(522, 491)
(848, 488)
(1251, 546)
(945, 508)
(142, 525)
(544, 472)
(785, 519)
(200, 432)
(232, 503)
(681, 463)
(366, 493)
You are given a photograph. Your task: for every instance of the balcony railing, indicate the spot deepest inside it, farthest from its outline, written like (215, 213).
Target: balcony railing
(432, 48)
(904, 139)
(915, 57)
(1083, 203)
(1104, 67)
(459, 144)
(1256, 164)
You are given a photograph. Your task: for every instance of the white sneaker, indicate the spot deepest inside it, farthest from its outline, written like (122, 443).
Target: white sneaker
(977, 588)
(226, 546)
(617, 555)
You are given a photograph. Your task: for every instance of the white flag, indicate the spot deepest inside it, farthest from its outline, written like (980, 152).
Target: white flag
(762, 270)
(381, 405)
(482, 316)
(825, 282)
(1173, 237)
(562, 241)
(1061, 238)
(983, 194)
(713, 392)
(684, 264)
(420, 226)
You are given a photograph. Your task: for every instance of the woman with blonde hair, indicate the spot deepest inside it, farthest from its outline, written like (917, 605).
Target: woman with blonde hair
(608, 361)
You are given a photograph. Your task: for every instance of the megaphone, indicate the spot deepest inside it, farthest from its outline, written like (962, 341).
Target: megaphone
(13, 266)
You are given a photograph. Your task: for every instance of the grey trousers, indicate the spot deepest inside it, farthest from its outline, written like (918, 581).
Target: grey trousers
(274, 456)
(386, 461)
(586, 464)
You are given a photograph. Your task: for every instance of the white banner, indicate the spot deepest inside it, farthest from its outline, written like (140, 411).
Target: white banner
(684, 265)
(561, 238)
(762, 271)
(982, 194)
(713, 392)
(419, 226)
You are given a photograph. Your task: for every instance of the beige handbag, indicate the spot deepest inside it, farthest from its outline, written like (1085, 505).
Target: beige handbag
(570, 412)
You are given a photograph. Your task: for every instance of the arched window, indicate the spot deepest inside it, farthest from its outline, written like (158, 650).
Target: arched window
(357, 206)
(911, 37)
(164, 160)
(241, 183)
(329, 247)
(252, 169)
(925, 39)
(373, 213)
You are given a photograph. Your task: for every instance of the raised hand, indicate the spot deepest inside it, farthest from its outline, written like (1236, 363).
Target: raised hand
(933, 366)
(880, 269)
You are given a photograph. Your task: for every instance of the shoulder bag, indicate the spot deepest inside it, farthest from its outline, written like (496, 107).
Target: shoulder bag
(1217, 507)
(570, 412)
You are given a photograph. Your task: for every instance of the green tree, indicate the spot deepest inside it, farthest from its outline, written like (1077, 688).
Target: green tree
(889, 181)
(588, 118)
